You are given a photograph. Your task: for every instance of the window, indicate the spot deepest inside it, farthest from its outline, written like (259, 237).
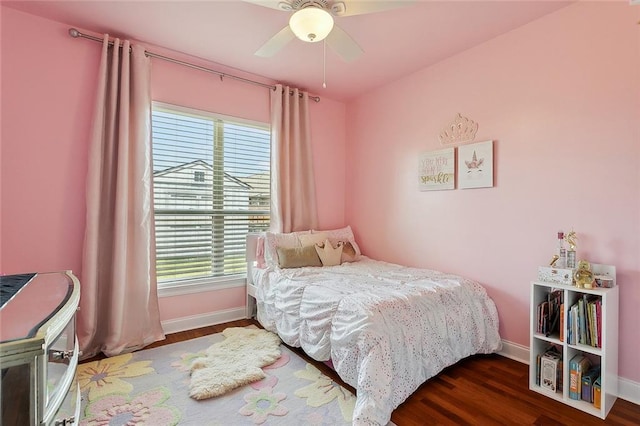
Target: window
(211, 180)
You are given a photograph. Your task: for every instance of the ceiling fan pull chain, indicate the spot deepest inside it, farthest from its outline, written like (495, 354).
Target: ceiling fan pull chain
(324, 63)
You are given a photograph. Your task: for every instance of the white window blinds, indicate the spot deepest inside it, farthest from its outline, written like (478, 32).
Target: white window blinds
(211, 180)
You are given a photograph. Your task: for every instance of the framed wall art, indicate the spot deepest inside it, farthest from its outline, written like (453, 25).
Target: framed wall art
(475, 165)
(436, 170)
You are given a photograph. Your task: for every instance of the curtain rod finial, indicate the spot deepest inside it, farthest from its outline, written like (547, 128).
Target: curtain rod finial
(74, 33)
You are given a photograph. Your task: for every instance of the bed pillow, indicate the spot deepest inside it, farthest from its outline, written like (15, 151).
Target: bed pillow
(298, 257)
(345, 235)
(272, 240)
(349, 253)
(260, 262)
(312, 239)
(329, 255)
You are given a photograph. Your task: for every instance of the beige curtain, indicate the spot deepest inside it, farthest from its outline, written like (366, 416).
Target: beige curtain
(118, 300)
(293, 194)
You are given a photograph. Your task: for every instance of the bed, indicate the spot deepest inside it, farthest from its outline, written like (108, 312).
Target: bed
(385, 328)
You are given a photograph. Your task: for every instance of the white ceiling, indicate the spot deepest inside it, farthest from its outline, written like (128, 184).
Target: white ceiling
(395, 42)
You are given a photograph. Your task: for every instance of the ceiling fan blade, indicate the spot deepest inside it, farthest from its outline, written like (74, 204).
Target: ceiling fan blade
(276, 43)
(271, 4)
(360, 7)
(343, 44)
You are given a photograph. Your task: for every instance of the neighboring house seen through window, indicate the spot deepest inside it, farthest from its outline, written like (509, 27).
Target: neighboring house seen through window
(198, 176)
(211, 181)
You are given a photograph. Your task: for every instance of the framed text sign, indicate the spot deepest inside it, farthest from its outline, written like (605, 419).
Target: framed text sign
(436, 170)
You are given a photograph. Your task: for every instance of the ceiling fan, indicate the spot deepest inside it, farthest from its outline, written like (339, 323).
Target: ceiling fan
(313, 21)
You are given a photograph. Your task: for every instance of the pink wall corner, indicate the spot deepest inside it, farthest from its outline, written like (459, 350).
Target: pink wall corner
(559, 97)
(328, 127)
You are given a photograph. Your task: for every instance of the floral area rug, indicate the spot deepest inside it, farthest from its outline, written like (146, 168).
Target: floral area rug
(151, 387)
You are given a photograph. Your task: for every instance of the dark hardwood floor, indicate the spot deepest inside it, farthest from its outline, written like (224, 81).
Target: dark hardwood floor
(480, 390)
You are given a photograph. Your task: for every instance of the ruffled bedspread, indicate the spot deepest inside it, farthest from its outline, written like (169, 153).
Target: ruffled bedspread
(387, 328)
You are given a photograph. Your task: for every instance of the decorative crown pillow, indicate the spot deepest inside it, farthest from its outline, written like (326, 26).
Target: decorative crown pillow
(342, 234)
(329, 255)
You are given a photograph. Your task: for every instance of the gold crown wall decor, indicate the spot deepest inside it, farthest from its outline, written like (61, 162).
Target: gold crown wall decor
(461, 129)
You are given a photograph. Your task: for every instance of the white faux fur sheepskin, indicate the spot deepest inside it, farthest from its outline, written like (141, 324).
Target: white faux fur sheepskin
(234, 362)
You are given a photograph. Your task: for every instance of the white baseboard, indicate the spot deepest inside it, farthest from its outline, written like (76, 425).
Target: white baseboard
(515, 352)
(203, 320)
(627, 389)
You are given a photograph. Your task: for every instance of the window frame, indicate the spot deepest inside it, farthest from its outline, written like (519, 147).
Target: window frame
(185, 286)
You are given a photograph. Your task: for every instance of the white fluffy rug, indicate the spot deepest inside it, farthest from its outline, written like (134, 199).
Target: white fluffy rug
(234, 362)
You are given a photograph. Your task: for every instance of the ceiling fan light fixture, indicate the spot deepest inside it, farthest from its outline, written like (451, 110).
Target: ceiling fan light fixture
(311, 24)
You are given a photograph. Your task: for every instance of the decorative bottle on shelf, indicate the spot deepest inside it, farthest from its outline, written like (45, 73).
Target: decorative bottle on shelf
(571, 238)
(562, 252)
(571, 259)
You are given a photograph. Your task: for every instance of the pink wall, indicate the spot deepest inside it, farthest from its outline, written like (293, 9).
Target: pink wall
(47, 103)
(48, 82)
(560, 98)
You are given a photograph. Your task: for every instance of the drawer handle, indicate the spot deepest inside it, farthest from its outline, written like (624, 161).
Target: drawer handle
(60, 355)
(65, 422)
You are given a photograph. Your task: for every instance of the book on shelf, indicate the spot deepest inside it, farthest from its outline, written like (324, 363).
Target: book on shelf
(543, 314)
(578, 365)
(599, 321)
(588, 379)
(593, 324)
(562, 325)
(585, 322)
(573, 324)
(548, 314)
(555, 301)
(582, 323)
(590, 323)
(549, 370)
(548, 373)
(597, 393)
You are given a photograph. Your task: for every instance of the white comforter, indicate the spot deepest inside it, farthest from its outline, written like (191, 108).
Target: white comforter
(387, 328)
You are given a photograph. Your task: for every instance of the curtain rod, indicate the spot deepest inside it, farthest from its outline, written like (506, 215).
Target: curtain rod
(77, 34)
